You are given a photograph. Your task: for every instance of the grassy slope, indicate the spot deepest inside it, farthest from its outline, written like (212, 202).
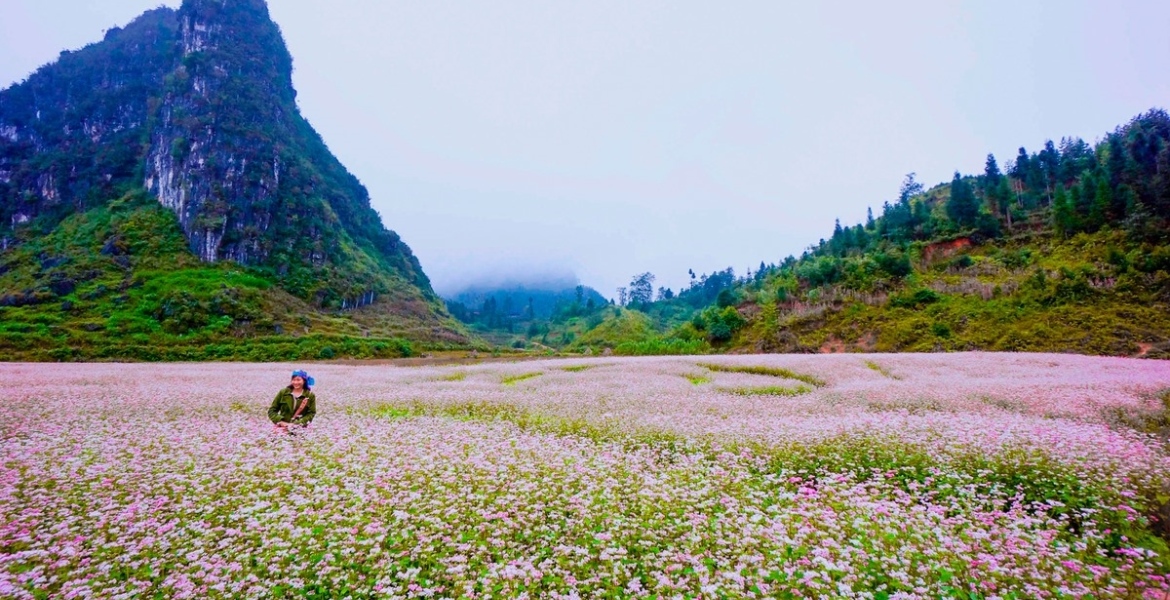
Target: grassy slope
(607, 327)
(1093, 294)
(118, 282)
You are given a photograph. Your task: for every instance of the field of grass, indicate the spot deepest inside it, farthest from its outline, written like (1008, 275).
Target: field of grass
(847, 476)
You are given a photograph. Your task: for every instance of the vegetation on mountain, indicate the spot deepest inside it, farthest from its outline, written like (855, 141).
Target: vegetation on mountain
(161, 197)
(118, 282)
(182, 129)
(1066, 249)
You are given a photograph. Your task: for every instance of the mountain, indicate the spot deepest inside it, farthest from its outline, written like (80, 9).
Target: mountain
(531, 300)
(1063, 250)
(512, 313)
(185, 123)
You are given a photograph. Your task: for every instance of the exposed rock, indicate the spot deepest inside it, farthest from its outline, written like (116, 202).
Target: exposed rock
(209, 88)
(114, 247)
(62, 286)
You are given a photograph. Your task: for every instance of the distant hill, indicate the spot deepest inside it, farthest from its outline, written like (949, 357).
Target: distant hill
(1066, 249)
(531, 313)
(160, 192)
(520, 300)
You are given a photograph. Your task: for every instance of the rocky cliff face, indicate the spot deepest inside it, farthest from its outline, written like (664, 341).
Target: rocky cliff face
(70, 135)
(197, 106)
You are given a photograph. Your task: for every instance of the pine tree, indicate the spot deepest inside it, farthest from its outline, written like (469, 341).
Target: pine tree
(920, 216)
(1064, 220)
(1160, 184)
(962, 208)
(1074, 202)
(991, 180)
(883, 226)
(1127, 199)
(909, 189)
(1050, 167)
(1004, 194)
(1086, 204)
(1106, 202)
(1020, 168)
(991, 173)
(1116, 160)
(861, 237)
(1098, 206)
(1075, 156)
(1037, 184)
(1019, 172)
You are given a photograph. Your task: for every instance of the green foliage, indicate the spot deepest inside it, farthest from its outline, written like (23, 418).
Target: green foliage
(916, 299)
(617, 327)
(660, 346)
(962, 207)
(771, 390)
(725, 299)
(880, 369)
(769, 371)
(719, 323)
(823, 270)
(894, 263)
(118, 283)
(514, 379)
(964, 292)
(286, 206)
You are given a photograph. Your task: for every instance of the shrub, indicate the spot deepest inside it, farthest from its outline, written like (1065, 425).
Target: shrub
(918, 298)
(962, 262)
(895, 264)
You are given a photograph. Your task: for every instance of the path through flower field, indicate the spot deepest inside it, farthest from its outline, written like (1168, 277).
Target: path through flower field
(836, 476)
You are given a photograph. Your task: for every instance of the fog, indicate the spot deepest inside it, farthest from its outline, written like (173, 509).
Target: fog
(604, 139)
(535, 278)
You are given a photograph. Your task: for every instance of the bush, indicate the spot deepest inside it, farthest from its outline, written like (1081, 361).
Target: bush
(962, 262)
(918, 298)
(403, 348)
(719, 332)
(725, 298)
(823, 270)
(894, 264)
(1018, 259)
(720, 324)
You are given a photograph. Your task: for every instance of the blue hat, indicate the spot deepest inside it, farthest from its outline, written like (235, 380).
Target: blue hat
(309, 381)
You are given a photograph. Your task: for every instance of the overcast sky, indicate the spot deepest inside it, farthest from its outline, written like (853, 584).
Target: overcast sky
(608, 138)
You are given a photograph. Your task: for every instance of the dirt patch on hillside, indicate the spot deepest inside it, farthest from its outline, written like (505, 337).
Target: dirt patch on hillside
(833, 346)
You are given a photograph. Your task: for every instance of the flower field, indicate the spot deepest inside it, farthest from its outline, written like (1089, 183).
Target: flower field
(837, 476)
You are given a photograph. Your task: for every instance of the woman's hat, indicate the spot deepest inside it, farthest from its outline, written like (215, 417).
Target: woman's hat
(309, 381)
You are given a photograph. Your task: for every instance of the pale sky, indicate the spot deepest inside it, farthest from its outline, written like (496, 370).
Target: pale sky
(610, 138)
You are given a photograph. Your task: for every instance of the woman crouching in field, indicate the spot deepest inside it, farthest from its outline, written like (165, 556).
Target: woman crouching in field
(295, 406)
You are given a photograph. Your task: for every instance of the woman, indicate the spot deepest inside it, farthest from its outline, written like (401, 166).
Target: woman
(295, 406)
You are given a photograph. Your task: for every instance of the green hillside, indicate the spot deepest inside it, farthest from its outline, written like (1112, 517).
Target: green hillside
(162, 197)
(118, 282)
(1065, 250)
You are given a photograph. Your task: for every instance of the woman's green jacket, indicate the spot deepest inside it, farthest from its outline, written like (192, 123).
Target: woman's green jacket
(284, 406)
